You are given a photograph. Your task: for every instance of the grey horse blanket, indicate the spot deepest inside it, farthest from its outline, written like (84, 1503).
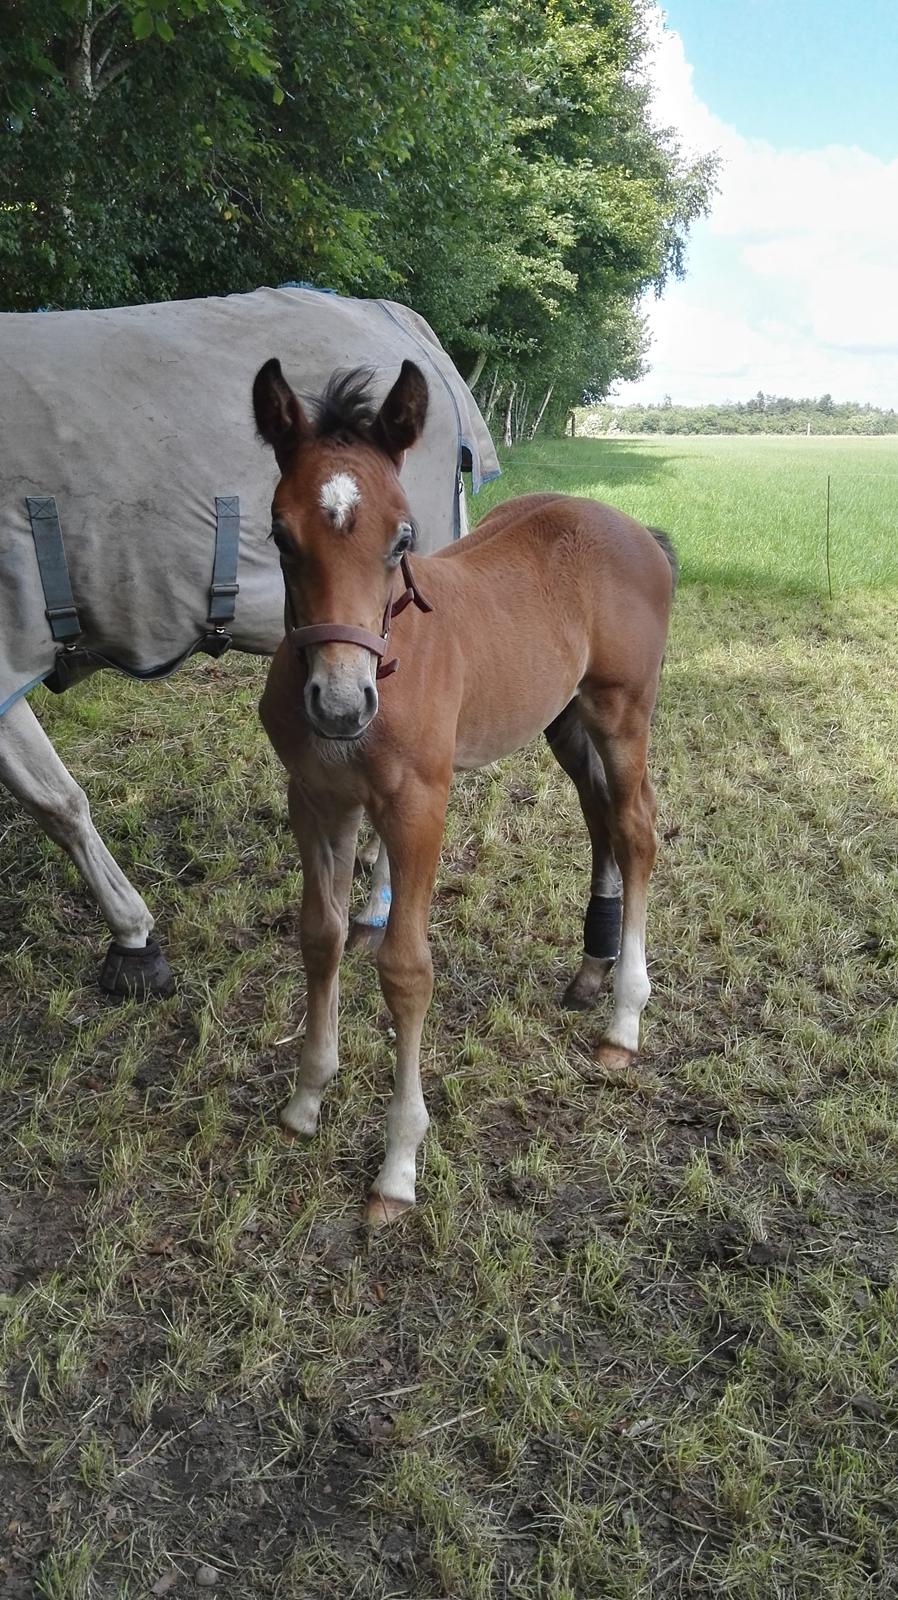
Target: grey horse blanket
(137, 420)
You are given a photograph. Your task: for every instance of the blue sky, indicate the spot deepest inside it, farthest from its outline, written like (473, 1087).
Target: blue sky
(792, 281)
(803, 73)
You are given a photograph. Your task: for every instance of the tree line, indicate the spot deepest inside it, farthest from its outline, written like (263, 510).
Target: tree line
(495, 167)
(764, 413)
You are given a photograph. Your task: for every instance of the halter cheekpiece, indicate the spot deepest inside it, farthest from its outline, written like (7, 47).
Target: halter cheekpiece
(347, 633)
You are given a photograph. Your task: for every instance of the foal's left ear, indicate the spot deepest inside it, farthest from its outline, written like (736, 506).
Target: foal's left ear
(400, 420)
(280, 418)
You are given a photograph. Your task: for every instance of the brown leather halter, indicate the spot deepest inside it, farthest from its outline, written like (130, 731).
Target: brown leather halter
(348, 633)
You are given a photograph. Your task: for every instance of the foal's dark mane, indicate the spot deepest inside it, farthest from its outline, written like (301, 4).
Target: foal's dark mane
(345, 412)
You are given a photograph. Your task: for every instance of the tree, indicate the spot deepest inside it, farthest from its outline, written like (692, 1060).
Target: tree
(779, 415)
(102, 139)
(594, 204)
(494, 167)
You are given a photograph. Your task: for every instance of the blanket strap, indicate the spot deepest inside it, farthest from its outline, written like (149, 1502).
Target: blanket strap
(224, 588)
(61, 611)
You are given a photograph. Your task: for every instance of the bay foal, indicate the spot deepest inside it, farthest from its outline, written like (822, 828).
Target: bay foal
(551, 616)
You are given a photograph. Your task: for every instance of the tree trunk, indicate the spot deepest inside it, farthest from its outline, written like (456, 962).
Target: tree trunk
(477, 369)
(80, 84)
(508, 436)
(85, 80)
(521, 410)
(79, 66)
(491, 403)
(540, 413)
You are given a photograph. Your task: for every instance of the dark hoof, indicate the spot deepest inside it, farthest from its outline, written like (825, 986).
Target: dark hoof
(576, 999)
(136, 972)
(365, 936)
(585, 988)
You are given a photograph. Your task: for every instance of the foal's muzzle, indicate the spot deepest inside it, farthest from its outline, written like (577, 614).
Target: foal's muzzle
(340, 697)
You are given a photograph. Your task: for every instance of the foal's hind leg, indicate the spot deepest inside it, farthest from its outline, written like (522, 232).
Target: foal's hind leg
(327, 849)
(620, 727)
(367, 929)
(575, 752)
(367, 849)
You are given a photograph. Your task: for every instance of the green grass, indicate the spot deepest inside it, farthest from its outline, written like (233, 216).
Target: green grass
(745, 512)
(640, 1339)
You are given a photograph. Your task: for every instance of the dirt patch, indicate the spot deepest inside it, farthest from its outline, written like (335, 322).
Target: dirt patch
(39, 1233)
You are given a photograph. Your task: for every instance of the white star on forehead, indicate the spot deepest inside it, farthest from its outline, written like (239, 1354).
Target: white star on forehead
(338, 497)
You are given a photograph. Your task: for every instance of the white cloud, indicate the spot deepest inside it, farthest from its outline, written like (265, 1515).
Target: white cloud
(792, 281)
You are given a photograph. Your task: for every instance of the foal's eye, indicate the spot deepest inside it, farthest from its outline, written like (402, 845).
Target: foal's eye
(404, 541)
(282, 539)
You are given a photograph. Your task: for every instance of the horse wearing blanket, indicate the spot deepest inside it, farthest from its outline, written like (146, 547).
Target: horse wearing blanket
(134, 517)
(551, 616)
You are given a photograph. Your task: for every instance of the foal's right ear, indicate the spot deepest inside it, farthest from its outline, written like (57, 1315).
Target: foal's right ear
(280, 418)
(400, 420)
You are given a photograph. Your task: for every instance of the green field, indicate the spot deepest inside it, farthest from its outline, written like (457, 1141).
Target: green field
(744, 512)
(640, 1339)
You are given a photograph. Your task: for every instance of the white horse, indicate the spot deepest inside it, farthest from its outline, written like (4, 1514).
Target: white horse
(134, 521)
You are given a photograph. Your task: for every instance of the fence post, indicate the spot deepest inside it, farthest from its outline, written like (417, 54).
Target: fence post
(829, 576)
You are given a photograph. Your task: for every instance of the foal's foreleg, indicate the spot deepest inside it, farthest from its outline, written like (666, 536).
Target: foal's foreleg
(327, 850)
(406, 977)
(575, 752)
(621, 732)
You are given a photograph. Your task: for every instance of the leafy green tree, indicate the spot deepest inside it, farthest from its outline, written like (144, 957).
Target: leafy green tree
(594, 205)
(495, 167)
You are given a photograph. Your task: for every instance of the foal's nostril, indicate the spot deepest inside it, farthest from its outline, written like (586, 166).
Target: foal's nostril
(340, 711)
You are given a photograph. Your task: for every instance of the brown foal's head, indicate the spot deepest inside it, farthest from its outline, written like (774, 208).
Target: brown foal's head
(341, 522)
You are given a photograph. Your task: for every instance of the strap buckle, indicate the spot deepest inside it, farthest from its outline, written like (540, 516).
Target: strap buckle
(224, 588)
(61, 611)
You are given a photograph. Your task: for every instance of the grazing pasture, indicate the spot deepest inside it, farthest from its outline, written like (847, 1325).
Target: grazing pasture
(640, 1339)
(746, 512)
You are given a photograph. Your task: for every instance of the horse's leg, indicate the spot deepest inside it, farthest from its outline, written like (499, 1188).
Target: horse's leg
(33, 772)
(368, 849)
(327, 849)
(368, 927)
(620, 727)
(413, 834)
(574, 750)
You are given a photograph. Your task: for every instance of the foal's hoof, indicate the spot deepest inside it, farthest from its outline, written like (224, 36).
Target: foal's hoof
(297, 1123)
(127, 971)
(365, 936)
(615, 1058)
(381, 1210)
(587, 984)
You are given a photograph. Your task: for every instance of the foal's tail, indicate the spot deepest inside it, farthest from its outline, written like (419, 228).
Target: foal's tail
(666, 543)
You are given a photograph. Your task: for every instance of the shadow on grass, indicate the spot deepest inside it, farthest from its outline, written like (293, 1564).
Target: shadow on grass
(745, 580)
(608, 461)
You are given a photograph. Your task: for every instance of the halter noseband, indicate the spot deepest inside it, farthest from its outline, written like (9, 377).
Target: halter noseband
(347, 633)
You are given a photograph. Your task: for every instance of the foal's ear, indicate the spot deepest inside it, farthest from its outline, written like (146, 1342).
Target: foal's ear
(400, 420)
(280, 418)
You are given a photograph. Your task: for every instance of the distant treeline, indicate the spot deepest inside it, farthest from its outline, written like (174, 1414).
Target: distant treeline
(765, 413)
